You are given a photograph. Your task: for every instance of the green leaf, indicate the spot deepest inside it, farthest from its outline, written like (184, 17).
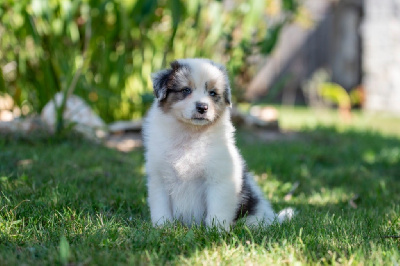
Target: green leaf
(2, 82)
(143, 11)
(64, 250)
(290, 5)
(271, 39)
(73, 31)
(177, 11)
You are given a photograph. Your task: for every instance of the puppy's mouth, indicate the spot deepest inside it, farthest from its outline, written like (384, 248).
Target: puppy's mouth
(200, 120)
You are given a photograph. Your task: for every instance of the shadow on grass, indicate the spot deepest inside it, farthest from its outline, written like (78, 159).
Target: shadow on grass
(350, 162)
(96, 197)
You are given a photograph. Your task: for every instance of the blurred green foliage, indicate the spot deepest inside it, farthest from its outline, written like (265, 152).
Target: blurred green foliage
(105, 51)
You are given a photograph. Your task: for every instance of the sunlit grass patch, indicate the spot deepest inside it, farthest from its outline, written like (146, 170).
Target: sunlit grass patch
(76, 202)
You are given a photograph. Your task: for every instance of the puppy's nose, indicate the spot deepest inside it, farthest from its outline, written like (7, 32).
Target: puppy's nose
(201, 107)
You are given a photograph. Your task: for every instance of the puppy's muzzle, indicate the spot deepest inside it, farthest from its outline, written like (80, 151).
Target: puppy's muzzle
(201, 107)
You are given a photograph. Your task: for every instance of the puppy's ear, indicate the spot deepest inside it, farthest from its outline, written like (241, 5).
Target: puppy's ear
(175, 65)
(160, 80)
(227, 90)
(227, 94)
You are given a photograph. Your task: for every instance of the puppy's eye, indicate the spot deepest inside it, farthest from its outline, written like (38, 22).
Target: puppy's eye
(186, 90)
(212, 93)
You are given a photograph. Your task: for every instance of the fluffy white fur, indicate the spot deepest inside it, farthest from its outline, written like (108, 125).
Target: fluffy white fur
(195, 172)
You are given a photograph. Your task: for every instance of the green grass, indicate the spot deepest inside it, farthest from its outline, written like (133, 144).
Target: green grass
(74, 202)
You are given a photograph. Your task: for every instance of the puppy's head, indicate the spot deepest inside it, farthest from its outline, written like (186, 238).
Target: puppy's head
(195, 91)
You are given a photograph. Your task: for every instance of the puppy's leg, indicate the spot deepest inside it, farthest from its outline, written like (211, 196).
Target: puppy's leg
(221, 204)
(159, 202)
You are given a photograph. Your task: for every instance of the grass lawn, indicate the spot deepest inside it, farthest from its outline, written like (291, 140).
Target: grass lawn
(74, 202)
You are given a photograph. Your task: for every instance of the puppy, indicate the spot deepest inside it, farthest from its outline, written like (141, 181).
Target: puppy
(195, 172)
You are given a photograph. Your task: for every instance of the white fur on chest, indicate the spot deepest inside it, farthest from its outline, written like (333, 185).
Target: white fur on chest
(184, 175)
(188, 163)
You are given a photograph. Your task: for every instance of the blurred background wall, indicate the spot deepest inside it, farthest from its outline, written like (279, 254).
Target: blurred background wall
(357, 43)
(381, 54)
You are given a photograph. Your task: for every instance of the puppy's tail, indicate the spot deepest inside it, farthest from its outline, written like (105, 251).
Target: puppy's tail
(286, 215)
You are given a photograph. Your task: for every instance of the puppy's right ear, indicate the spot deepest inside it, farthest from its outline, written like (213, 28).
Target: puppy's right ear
(160, 80)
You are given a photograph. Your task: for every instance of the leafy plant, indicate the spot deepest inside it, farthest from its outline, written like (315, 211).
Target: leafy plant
(333, 92)
(105, 51)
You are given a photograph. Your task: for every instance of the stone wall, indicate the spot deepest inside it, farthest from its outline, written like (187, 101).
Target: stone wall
(381, 54)
(356, 41)
(332, 43)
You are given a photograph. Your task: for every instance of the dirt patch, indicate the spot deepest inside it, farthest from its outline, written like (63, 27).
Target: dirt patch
(124, 142)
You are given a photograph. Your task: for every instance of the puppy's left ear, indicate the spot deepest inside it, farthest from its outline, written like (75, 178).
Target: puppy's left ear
(227, 93)
(160, 80)
(227, 90)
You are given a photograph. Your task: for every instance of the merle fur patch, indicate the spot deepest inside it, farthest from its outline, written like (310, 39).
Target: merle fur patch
(248, 205)
(165, 84)
(227, 89)
(160, 80)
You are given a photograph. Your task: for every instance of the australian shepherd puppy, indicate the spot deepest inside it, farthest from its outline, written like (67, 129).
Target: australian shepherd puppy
(195, 171)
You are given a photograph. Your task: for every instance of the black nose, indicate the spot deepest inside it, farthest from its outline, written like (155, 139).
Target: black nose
(201, 107)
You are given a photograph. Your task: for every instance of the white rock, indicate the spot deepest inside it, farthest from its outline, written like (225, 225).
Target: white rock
(21, 125)
(6, 102)
(263, 117)
(6, 115)
(78, 112)
(124, 126)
